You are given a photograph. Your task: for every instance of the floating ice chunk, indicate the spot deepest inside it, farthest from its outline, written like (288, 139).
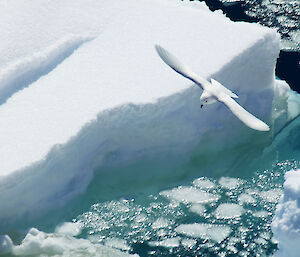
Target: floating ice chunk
(61, 121)
(206, 231)
(6, 244)
(272, 195)
(266, 235)
(246, 199)
(286, 223)
(117, 243)
(260, 240)
(188, 243)
(228, 211)
(232, 249)
(160, 223)
(161, 233)
(37, 243)
(243, 230)
(260, 214)
(198, 209)
(204, 183)
(230, 183)
(190, 195)
(69, 228)
(167, 243)
(233, 240)
(140, 218)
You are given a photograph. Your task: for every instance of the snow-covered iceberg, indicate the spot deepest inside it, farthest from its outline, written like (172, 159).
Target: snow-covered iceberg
(286, 223)
(111, 99)
(37, 243)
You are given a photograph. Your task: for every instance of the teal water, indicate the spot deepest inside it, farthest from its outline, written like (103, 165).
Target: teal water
(145, 216)
(148, 223)
(202, 204)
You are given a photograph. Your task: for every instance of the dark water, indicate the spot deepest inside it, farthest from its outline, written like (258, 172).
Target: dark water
(282, 15)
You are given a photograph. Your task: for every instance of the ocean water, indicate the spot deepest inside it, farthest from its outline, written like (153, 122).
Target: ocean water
(212, 215)
(282, 15)
(154, 208)
(217, 205)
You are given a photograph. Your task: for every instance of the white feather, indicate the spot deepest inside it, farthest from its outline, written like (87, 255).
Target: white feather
(179, 67)
(214, 89)
(246, 117)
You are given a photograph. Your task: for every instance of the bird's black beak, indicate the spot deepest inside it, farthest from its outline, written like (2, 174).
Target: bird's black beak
(201, 105)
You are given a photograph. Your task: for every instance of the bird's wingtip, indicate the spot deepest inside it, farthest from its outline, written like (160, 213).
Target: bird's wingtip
(264, 127)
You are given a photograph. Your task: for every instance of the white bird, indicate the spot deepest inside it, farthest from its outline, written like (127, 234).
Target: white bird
(212, 91)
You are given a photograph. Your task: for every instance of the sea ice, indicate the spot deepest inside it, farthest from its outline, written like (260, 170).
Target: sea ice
(69, 228)
(286, 223)
(198, 209)
(230, 183)
(168, 243)
(6, 244)
(206, 231)
(113, 94)
(188, 243)
(228, 211)
(272, 195)
(160, 223)
(260, 214)
(37, 243)
(204, 183)
(117, 243)
(190, 195)
(246, 199)
(260, 240)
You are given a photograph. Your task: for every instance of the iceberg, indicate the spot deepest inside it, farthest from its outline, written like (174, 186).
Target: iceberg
(110, 100)
(286, 223)
(37, 243)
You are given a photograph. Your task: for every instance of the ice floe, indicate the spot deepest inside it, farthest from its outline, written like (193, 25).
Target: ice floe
(207, 231)
(113, 94)
(228, 211)
(190, 195)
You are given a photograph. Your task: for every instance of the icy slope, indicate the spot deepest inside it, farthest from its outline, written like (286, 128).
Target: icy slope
(113, 99)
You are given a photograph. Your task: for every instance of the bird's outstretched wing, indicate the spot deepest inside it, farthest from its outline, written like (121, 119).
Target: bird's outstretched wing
(179, 67)
(246, 117)
(223, 89)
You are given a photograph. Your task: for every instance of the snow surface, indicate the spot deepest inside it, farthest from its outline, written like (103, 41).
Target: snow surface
(69, 228)
(81, 101)
(286, 223)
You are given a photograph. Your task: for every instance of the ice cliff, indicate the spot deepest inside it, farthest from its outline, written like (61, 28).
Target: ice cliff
(80, 93)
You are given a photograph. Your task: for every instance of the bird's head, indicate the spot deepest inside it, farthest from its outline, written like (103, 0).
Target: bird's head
(206, 98)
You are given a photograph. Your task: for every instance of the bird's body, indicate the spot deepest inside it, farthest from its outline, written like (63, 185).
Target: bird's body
(212, 91)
